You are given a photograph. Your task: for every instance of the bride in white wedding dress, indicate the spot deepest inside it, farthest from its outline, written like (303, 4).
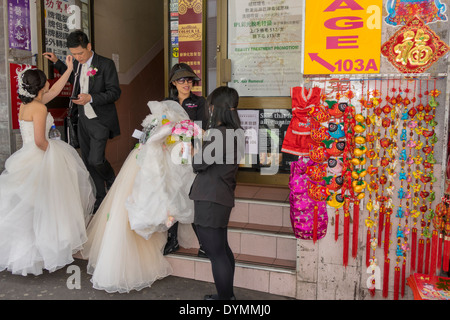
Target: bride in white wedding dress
(128, 233)
(46, 194)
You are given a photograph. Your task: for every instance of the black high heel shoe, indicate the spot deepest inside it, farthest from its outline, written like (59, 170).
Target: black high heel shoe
(201, 253)
(171, 246)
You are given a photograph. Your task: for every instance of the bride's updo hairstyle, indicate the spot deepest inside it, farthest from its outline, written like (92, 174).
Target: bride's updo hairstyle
(31, 82)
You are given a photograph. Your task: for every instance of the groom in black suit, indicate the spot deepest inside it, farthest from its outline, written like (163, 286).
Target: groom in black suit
(96, 90)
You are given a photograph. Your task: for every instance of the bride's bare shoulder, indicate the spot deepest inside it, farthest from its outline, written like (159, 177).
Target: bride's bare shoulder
(28, 111)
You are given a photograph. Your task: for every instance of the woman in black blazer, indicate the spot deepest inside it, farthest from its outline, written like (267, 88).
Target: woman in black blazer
(213, 189)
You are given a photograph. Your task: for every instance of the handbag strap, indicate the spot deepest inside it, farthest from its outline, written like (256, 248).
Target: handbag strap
(77, 75)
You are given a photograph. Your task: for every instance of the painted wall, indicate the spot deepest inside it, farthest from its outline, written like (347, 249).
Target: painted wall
(127, 30)
(135, 33)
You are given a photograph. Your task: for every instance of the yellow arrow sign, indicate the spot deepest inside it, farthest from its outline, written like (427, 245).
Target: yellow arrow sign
(342, 36)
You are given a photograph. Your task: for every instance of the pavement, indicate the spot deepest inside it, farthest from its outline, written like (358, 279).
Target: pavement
(73, 283)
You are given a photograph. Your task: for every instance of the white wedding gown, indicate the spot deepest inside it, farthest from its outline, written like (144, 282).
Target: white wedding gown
(160, 195)
(45, 200)
(121, 260)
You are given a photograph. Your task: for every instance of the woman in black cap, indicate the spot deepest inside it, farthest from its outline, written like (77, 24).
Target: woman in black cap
(181, 81)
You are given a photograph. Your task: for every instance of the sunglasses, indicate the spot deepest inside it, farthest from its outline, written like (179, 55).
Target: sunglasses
(183, 80)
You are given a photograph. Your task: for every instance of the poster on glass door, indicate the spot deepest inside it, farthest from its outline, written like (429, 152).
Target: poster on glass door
(265, 46)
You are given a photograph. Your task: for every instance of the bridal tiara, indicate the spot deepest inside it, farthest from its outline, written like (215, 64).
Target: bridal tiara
(21, 86)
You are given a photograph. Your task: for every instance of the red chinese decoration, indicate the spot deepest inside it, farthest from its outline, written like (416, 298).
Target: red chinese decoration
(414, 47)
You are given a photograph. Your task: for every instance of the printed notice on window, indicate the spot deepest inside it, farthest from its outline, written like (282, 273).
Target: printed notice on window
(265, 46)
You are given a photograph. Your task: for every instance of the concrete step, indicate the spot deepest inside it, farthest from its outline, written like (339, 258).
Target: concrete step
(257, 241)
(261, 237)
(273, 276)
(274, 245)
(273, 214)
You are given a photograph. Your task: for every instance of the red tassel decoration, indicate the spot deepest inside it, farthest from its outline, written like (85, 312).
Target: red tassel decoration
(413, 248)
(316, 223)
(369, 237)
(355, 229)
(439, 253)
(403, 277)
(387, 232)
(396, 282)
(380, 226)
(446, 257)
(346, 237)
(434, 250)
(427, 256)
(336, 226)
(386, 278)
(372, 292)
(420, 257)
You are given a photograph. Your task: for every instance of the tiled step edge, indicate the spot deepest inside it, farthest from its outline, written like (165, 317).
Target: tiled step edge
(264, 202)
(268, 279)
(241, 264)
(261, 232)
(244, 261)
(246, 215)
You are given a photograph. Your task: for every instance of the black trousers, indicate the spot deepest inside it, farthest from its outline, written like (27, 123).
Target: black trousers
(93, 137)
(215, 244)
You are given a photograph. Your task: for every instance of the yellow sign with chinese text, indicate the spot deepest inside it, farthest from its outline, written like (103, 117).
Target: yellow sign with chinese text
(190, 32)
(342, 36)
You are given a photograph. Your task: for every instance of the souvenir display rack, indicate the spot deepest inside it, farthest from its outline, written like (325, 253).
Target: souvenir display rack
(387, 134)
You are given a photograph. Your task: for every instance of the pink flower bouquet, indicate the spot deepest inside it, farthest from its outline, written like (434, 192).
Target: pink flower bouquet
(184, 131)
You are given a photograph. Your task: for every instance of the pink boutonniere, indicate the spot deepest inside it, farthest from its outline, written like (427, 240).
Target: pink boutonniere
(92, 71)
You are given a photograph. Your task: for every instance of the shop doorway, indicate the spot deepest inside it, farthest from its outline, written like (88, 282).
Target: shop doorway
(265, 118)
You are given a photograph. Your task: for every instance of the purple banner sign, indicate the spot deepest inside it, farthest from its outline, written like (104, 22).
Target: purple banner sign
(19, 24)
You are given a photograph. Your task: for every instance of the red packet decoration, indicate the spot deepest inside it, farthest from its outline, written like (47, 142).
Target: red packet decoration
(426, 287)
(414, 47)
(400, 11)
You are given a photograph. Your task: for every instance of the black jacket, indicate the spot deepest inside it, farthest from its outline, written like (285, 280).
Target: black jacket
(216, 180)
(104, 88)
(195, 108)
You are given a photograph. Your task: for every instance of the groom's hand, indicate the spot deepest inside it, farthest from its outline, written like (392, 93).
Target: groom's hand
(83, 99)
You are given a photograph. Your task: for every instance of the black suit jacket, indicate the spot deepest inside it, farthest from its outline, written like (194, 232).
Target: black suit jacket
(103, 87)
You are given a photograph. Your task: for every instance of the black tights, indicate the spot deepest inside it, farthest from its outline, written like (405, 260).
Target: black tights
(215, 244)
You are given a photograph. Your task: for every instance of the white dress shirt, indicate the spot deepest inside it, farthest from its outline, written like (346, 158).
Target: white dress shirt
(84, 88)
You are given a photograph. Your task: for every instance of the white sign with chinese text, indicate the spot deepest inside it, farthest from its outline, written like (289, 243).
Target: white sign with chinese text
(265, 46)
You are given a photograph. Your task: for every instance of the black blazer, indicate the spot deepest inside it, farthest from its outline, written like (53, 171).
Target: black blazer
(104, 88)
(195, 108)
(216, 182)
